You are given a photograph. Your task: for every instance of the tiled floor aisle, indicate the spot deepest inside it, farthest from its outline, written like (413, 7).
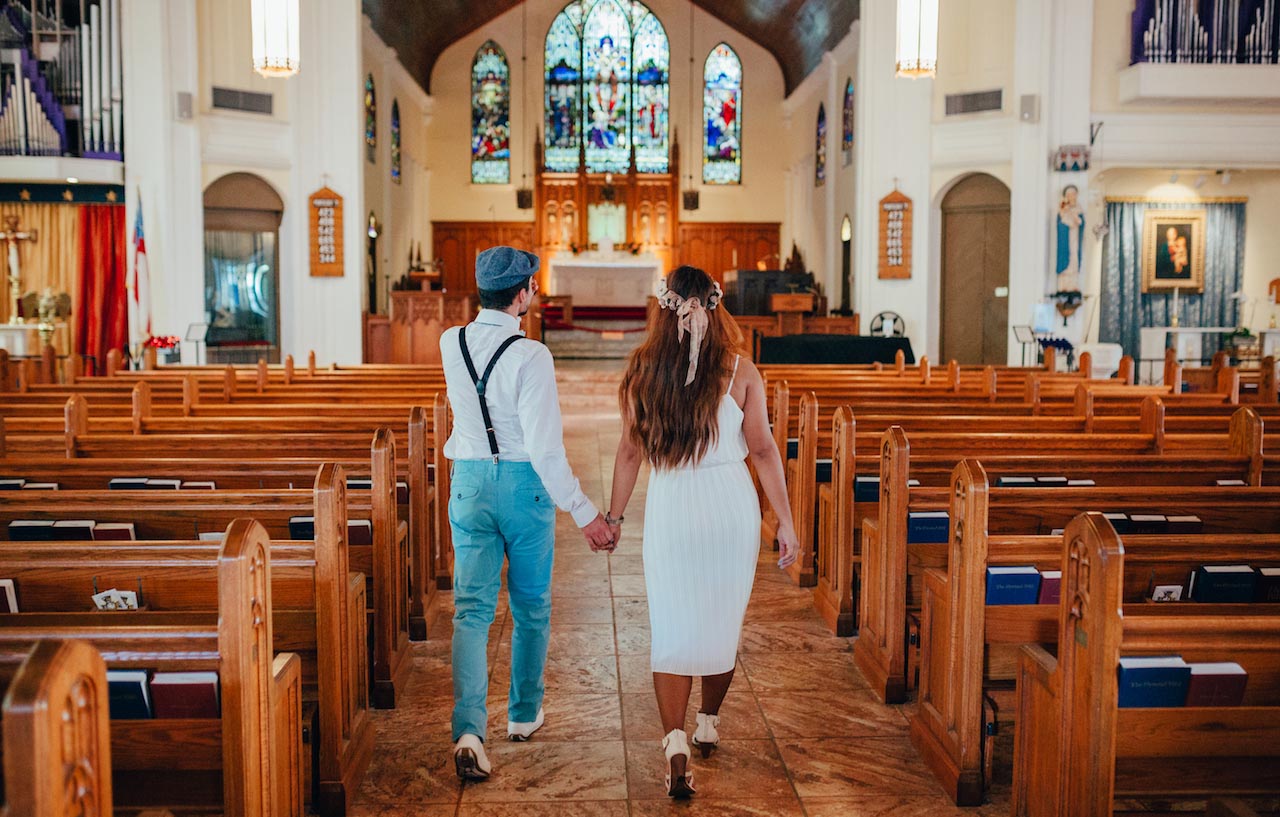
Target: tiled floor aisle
(801, 733)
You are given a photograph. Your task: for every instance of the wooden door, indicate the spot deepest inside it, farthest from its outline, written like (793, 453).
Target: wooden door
(975, 271)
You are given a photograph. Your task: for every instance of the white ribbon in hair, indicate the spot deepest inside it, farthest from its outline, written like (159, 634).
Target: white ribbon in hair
(692, 318)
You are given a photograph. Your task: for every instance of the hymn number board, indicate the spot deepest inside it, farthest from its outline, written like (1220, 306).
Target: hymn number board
(326, 234)
(895, 236)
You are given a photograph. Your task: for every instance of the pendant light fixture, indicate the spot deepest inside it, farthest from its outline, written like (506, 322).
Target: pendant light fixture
(692, 198)
(275, 37)
(917, 38)
(524, 194)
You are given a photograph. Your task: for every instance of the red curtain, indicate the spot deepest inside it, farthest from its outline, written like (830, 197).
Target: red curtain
(103, 307)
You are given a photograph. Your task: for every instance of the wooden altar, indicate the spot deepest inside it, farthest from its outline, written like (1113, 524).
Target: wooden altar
(562, 202)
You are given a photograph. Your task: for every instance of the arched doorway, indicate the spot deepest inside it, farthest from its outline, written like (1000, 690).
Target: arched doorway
(242, 215)
(975, 271)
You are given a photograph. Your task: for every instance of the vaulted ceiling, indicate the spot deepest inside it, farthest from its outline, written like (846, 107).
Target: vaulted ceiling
(796, 32)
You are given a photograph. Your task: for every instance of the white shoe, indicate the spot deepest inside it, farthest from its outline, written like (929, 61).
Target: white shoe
(674, 744)
(470, 760)
(520, 732)
(707, 738)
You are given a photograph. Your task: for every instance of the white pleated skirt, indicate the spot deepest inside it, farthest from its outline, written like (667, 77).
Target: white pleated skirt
(701, 542)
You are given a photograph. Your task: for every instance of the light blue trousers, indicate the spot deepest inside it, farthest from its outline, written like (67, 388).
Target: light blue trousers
(496, 511)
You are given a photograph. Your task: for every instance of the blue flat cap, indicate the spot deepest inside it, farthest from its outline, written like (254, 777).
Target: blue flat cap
(499, 268)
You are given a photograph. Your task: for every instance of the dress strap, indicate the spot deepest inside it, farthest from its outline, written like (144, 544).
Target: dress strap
(736, 360)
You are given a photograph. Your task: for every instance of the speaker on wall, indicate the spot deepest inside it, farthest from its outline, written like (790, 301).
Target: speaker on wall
(524, 198)
(1029, 108)
(692, 199)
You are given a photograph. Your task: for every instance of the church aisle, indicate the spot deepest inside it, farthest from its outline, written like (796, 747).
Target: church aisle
(801, 733)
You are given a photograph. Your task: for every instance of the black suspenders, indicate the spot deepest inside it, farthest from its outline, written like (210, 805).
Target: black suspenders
(482, 382)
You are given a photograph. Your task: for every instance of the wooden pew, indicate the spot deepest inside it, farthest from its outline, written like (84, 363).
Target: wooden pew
(178, 515)
(247, 762)
(58, 685)
(1076, 752)
(318, 612)
(883, 587)
(963, 641)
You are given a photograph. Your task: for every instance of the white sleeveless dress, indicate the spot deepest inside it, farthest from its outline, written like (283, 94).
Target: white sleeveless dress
(701, 542)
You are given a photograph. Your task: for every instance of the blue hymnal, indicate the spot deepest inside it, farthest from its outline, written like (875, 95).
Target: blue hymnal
(128, 695)
(793, 447)
(1015, 482)
(302, 527)
(1013, 585)
(1224, 584)
(928, 527)
(1153, 682)
(824, 472)
(866, 489)
(1119, 521)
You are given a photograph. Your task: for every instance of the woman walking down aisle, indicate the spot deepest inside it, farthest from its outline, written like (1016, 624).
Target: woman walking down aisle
(694, 409)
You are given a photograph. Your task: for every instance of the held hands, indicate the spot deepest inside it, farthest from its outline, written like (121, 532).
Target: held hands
(788, 546)
(599, 535)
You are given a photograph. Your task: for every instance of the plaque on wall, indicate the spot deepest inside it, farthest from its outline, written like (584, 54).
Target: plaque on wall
(895, 236)
(326, 234)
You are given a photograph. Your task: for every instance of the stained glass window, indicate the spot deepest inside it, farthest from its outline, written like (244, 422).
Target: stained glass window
(722, 117)
(370, 120)
(563, 84)
(607, 88)
(395, 141)
(847, 139)
(820, 150)
(490, 116)
(653, 89)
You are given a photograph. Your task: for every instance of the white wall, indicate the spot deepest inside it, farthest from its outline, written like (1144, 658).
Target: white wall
(762, 193)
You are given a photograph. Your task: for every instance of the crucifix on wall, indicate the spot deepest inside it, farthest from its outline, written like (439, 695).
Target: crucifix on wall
(11, 235)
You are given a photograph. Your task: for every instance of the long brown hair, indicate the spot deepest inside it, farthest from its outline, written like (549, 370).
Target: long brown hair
(674, 424)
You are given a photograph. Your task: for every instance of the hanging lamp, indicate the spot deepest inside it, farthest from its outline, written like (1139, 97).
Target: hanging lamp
(917, 38)
(275, 37)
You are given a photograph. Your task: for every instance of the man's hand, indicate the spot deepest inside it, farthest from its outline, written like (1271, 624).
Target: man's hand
(599, 537)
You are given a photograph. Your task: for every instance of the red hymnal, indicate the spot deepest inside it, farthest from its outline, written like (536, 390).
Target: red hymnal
(1220, 684)
(359, 532)
(1050, 586)
(185, 694)
(114, 532)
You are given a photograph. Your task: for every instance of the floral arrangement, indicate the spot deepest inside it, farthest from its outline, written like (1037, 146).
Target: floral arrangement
(163, 341)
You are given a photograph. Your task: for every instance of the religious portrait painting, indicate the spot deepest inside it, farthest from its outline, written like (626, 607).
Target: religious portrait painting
(1070, 233)
(1173, 250)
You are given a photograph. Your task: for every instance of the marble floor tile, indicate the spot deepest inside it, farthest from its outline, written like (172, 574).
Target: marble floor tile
(849, 713)
(555, 808)
(405, 810)
(791, 636)
(896, 806)
(701, 806)
(628, 585)
(578, 586)
(412, 773)
(633, 640)
(801, 671)
(583, 610)
(575, 639)
(840, 767)
(626, 565)
(631, 611)
(740, 717)
(634, 674)
(739, 769)
(569, 717)
(578, 674)
(541, 770)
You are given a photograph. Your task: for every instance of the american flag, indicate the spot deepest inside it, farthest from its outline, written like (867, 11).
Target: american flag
(141, 281)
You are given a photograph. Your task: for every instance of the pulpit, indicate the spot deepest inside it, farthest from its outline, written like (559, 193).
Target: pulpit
(791, 309)
(418, 319)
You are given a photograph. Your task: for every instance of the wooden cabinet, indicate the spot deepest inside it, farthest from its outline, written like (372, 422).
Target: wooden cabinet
(457, 243)
(720, 246)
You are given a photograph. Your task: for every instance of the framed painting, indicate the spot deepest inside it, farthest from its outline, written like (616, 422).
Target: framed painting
(1173, 250)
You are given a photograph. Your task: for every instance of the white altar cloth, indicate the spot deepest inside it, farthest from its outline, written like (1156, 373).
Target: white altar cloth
(20, 340)
(597, 279)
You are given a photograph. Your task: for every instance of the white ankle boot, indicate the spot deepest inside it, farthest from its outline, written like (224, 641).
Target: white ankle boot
(707, 736)
(677, 743)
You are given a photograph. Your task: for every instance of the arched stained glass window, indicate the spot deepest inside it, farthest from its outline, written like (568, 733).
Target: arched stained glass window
(846, 141)
(722, 117)
(563, 113)
(370, 120)
(653, 90)
(490, 116)
(820, 150)
(607, 89)
(395, 141)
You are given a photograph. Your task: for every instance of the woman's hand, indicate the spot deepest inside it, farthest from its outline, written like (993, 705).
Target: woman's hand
(788, 546)
(616, 530)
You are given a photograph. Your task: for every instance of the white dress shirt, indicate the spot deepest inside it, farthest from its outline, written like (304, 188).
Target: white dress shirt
(523, 404)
